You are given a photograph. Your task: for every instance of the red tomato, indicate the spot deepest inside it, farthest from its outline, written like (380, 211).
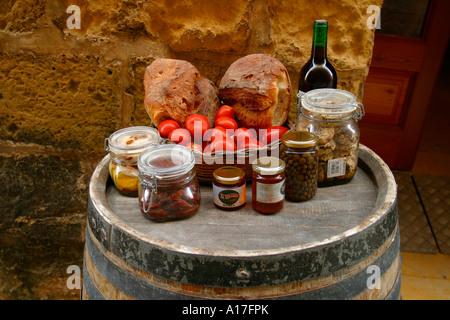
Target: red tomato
(216, 133)
(197, 124)
(244, 134)
(226, 122)
(252, 143)
(273, 134)
(166, 127)
(180, 136)
(225, 111)
(194, 147)
(222, 145)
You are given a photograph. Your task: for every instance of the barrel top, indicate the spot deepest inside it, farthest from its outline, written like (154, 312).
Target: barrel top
(333, 214)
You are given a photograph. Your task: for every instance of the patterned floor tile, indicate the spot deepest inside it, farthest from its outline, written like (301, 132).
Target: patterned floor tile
(435, 194)
(415, 233)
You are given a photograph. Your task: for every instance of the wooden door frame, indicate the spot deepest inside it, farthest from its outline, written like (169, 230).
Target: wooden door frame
(435, 37)
(433, 45)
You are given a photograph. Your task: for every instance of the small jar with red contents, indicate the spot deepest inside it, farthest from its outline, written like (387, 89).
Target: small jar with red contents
(168, 188)
(268, 185)
(229, 188)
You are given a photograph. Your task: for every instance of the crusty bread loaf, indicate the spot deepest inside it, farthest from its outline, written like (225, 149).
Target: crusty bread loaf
(207, 101)
(258, 87)
(174, 89)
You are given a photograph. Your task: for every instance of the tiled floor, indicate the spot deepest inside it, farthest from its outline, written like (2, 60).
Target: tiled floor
(424, 205)
(424, 212)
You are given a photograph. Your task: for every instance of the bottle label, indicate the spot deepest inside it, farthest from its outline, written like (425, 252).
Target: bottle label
(270, 193)
(229, 197)
(336, 168)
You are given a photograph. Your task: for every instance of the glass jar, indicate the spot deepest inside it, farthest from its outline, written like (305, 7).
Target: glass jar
(332, 115)
(298, 150)
(124, 147)
(268, 183)
(229, 188)
(169, 188)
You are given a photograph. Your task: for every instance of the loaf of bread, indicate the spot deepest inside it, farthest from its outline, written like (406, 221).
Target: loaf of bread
(174, 89)
(258, 87)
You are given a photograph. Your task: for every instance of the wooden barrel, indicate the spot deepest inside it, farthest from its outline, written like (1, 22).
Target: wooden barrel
(334, 246)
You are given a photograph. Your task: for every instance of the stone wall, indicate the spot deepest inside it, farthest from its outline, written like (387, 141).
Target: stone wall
(64, 90)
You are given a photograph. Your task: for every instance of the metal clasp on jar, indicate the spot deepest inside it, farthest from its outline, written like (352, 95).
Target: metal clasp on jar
(360, 113)
(106, 144)
(148, 187)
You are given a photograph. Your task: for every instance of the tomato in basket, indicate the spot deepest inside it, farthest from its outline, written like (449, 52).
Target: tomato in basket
(197, 122)
(194, 146)
(225, 111)
(273, 134)
(180, 136)
(220, 145)
(166, 127)
(216, 133)
(244, 134)
(226, 122)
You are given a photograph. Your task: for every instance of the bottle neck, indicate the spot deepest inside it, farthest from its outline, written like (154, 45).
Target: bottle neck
(319, 46)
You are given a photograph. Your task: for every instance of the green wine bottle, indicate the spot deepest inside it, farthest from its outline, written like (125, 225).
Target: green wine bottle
(318, 72)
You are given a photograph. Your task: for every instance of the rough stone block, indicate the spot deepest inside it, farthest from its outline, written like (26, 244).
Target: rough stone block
(68, 103)
(42, 224)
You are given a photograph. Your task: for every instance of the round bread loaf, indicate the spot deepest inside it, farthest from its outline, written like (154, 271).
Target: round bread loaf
(258, 87)
(174, 89)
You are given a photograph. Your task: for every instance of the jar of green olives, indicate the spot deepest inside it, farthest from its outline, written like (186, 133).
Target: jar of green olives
(298, 150)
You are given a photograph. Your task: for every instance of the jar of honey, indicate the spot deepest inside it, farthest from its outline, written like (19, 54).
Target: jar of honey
(229, 188)
(268, 185)
(124, 147)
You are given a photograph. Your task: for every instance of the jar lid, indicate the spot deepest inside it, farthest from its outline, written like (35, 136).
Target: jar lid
(228, 175)
(166, 161)
(132, 140)
(268, 165)
(299, 139)
(330, 101)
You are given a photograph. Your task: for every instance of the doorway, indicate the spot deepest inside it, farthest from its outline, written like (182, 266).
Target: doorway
(408, 53)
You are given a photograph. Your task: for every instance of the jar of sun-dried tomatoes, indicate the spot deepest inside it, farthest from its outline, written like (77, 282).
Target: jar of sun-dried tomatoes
(168, 188)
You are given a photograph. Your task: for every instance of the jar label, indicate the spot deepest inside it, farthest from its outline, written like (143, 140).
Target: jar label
(336, 168)
(270, 193)
(229, 197)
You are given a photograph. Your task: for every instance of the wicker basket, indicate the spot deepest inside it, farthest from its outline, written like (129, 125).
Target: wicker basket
(206, 163)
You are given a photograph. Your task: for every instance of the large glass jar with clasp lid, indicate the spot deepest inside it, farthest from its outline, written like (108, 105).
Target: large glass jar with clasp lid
(332, 115)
